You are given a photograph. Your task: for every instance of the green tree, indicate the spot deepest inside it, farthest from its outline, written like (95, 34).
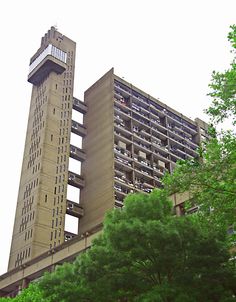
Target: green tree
(147, 254)
(212, 180)
(30, 294)
(223, 88)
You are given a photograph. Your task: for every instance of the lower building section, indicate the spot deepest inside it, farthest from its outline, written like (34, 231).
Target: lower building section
(17, 279)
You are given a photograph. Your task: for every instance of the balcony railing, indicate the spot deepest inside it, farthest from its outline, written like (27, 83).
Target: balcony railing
(79, 106)
(125, 113)
(50, 59)
(122, 151)
(123, 161)
(121, 87)
(74, 209)
(124, 190)
(77, 153)
(78, 128)
(141, 144)
(68, 236)
(75, 180)
(118, 203)
(142, 161)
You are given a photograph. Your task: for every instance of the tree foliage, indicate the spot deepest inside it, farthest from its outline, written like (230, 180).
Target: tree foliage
(212, 180)
(223, 88)
(30, 294)
(147, 254)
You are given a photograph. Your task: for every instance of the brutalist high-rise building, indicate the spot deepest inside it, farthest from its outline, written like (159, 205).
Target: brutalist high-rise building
(130, 139)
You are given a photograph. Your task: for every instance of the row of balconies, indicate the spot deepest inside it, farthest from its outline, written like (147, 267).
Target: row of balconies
(148, 105)
(124, 111)
(147, 140)
(184, 143)
(121, 190)
(142, 165)
(127, 153)
(159, 128)
(145, 125)
(122, 151)
(139, 184)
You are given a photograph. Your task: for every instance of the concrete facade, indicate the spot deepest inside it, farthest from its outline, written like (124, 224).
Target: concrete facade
(132, 140)
(41, 204)
(129, 140)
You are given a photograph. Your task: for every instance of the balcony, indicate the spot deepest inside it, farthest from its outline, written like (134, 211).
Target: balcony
(176, 153)
(189, 127)
(118, 203)
(68, 236)
(122, 190)
(147, 190)
(122, 134)
(121, 109)
(141, 119)
(122, 179)
(161, 155)
(158, 181)
(145, 147)
(120, 126)
(75, 180)
(77, 153)
(143, 136)
(143, 101)
(122, 88)
(74, 209)
(78, 128)
(180, 135)
(50, 59)
(144, 162)
(123, 161)
(143, 173)
(156, 109)
(122, 151)
(79, 106)
(161, 131)
(144, 185)
(158, 171)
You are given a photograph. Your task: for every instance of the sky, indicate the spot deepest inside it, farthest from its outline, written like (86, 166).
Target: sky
(166, 48)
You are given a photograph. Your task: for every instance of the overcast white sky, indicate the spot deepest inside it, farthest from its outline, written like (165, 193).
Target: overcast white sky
(167, 48)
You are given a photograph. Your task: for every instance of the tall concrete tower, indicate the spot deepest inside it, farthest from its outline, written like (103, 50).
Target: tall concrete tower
(130, 140)
(42, 199)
